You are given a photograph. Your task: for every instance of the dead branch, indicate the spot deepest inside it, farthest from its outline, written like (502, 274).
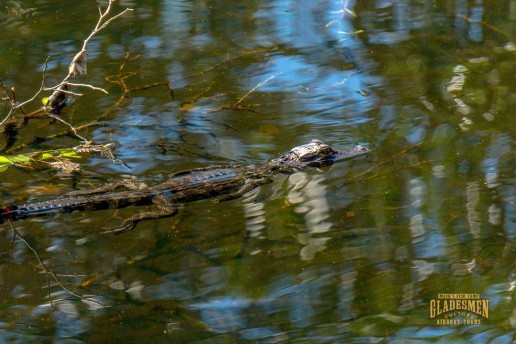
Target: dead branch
(236, 106)
(105, 150)
(50, 273)
(121, 80)
(88, 86)
(78, 64)
(255, 88)
(72, 128)
(17, 234)
(12, 100)
(11, 250)
(7, 97)
(220, 64)
(58, 98)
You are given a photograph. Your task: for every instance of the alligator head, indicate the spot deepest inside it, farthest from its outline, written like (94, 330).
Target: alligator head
(317, 154)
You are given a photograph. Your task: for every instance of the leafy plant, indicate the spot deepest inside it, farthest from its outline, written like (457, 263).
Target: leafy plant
(56, 158)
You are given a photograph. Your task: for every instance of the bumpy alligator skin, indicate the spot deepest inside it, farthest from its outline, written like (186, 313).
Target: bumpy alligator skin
(220, 182)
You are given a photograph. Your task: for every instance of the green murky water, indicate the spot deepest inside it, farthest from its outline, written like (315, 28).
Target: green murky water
(356, 253)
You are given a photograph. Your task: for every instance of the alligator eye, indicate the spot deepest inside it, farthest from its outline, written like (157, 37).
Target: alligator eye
(308, 157)
(327, 151)
(361, 148)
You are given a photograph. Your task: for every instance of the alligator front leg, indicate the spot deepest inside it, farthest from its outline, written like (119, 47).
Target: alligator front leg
(129, 184)
(166, 208)
(248, 186)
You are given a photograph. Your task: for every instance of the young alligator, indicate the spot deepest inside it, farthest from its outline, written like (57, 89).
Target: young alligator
(223, 182)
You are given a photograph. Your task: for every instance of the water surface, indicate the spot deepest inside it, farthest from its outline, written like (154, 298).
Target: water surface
(351, 253)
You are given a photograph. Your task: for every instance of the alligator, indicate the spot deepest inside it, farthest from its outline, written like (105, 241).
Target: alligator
(220, 182)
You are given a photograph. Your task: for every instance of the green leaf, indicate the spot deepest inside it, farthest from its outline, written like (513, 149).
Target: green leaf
(4, 160)
(45, 156)
(70, 154)
(19, 159)
(3, 167)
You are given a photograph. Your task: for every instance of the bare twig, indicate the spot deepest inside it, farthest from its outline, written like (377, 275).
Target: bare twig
(78, 64)
(47, 273)
(42, 86)
(69, 125)
(236, 106)
(11, 250)
(359, 177)
(218, 65)
(12, 101)
(89, 86)
(106, 150)
(254, 88)
(69, 92)
(7, 117)
(7, 96)
(17, 234)
(77, 67)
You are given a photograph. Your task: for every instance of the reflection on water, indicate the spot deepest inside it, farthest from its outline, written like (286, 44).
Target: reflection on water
(354, 252)
(308, 195)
